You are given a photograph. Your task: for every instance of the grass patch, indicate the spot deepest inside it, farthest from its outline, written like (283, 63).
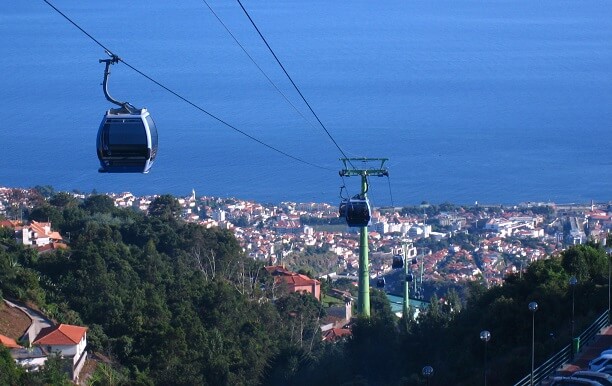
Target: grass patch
(331, 301)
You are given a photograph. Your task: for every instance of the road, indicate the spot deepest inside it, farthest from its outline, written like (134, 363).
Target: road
(39, 321)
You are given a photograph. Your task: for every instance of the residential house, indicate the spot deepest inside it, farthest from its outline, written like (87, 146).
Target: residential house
(66, 340)
(8, 342)
(295, 282)
(30, 359)
(39, 234)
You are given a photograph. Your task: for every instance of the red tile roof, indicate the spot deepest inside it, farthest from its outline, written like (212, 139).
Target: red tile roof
(51, 247)
(290, 276)
(10, 223)
(8, 342)
(300, 280)
(335, 334)
(60, 335)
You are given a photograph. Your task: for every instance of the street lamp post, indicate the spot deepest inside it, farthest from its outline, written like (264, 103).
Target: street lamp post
(427, 373)
(572, 282)
(533, 307)
(485, 336)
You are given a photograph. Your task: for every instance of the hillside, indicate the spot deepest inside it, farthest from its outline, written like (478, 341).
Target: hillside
(13, 322)
(175, 303)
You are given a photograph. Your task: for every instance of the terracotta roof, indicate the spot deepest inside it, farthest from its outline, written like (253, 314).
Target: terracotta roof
(300, 280)
(55, 235)
(290, 277)
(335, 334)
(8, 342)
(51, 247)
(39, 227)
(60, 335)
(10, 223)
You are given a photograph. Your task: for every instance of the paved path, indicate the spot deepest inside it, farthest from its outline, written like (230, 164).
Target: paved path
(39, 321)
(602, 341)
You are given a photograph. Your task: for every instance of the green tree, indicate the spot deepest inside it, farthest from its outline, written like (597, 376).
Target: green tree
(10, 373)
(165, 207)
(63, 200)
(54, 372)
(587, 262)
(47, 213)
(99, 204)
(106, 375)
(46, 191)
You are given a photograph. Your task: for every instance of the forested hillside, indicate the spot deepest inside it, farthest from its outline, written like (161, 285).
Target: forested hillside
(174, 303)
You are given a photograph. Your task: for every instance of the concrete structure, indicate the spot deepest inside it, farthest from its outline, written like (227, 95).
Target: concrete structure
(31, 359)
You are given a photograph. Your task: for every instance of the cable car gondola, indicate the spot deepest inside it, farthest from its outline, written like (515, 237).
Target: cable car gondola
(342, 209)
(409, 278)
(127, 137)
(380, 283)
(398, 261)
(357, 212)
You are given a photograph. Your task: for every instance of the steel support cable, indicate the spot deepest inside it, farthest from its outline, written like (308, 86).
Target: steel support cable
(224, 122)
(291, 80)
(258, 66)
(390, 192)
(183, 98)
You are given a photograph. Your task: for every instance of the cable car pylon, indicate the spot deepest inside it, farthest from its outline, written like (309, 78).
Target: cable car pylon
(409, 252)
(357, 214)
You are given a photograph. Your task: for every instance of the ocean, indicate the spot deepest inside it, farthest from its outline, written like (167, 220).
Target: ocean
(494, 102)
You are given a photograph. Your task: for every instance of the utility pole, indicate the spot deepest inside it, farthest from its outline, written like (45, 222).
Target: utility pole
(349, 170)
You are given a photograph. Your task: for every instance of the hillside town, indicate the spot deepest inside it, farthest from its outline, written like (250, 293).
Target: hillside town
(455, 244)
(302, 245)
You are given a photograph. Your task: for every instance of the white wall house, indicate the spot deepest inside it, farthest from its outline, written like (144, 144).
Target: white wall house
(39, 234)
(66, 340)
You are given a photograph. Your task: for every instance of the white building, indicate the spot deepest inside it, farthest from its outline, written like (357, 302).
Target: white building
(66, 340)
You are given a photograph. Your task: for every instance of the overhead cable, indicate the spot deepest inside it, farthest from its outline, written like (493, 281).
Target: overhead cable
(183, 98)
(291, 80)
(257, 65)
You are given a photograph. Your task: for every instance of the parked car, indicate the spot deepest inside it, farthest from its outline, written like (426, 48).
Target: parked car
(571, 381)
(600, 362)
(603, 378)
(606, 369)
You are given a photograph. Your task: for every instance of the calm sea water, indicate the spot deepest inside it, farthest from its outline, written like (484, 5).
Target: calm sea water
(496, 102)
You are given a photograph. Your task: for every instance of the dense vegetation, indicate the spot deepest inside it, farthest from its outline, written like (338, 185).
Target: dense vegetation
(175, 303)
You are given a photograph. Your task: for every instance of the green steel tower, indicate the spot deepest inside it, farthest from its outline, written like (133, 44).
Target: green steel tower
(409, 253)
(349, 170)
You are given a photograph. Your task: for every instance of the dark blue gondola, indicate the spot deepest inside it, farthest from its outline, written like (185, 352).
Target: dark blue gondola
(398, 262)
(127, 137)
(409, 278)
(414, 260)
(357, 211)
(342, 209)
(380, 283)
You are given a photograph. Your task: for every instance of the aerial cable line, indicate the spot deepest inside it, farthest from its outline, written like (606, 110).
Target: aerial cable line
(224, 122)
(390, 192)
(111, 53)
(257, 65)
(76, 25)
(291, 80)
